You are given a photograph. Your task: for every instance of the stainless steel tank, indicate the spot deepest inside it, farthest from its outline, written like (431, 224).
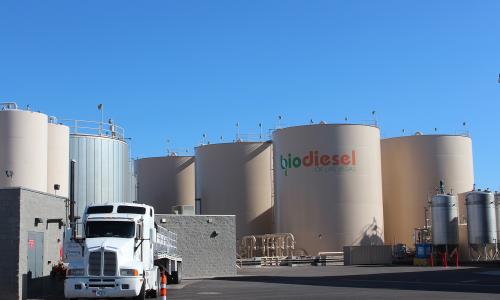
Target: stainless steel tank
(102, 169)
(412, 167)
(23, 148)
(481, 219)
(329, 186)
(444, 209)
(497, 213)
(164, 182)
(58, 160)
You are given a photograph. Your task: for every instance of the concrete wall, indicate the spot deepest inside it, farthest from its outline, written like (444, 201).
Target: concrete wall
(9, 239)
(368, 255)
(19, 208)
(207, 244)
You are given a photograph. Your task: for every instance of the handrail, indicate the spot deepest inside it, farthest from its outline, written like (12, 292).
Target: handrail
(8, 106)
(109, 129)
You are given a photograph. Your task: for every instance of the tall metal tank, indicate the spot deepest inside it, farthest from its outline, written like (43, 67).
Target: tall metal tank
(412, 167)
(481, 219)
(23, 148)
(236, 179)
(102, 166)
(58, 159)
(497, 213)
(166, 181)
(329, 186)
(444, 210)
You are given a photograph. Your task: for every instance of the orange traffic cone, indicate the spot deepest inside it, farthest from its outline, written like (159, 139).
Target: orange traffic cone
(163, 287)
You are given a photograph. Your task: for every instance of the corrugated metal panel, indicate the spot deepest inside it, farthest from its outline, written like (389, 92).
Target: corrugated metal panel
(102, 170)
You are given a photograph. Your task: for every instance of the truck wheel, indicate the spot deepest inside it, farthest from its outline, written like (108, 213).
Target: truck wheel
(177, 275)
(142, 294)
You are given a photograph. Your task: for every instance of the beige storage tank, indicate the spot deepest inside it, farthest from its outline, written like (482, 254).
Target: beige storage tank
(58, 159)
(329, 186)
(23, 148)
(236, 179)
(163, 182)
(412, 167)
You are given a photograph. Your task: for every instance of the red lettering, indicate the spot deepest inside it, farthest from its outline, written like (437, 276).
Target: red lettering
(316, 158)
(335, 159)
(353, 157)
(307, 161)
(345, 159)
(324, 160)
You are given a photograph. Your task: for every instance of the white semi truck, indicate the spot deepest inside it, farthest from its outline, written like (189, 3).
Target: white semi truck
(120, 253)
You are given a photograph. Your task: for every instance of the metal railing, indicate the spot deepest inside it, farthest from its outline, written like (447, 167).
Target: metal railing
(166, 242)
(108, 129)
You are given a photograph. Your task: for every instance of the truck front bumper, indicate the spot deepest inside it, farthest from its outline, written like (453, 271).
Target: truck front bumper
(99, 287)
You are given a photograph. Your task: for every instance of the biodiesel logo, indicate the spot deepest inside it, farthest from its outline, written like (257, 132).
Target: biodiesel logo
(320, 162)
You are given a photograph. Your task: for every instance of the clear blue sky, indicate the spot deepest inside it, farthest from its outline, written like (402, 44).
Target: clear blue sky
(178, 69)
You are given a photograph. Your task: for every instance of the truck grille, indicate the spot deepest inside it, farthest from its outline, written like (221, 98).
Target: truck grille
(95, 263)
(109, 263)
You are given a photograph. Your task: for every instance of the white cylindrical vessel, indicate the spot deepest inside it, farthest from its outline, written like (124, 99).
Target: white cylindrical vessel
(412, 168)
(329, 186)
(58, 160)
(164, 182)
(236, 179)
(23, 149)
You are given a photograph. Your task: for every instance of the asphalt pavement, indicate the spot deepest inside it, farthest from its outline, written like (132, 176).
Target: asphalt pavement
(347, 282)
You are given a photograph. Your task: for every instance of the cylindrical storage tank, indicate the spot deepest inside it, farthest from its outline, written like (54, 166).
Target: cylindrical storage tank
(236, 179)
(412, 168)
(163, 182)
(58, 159)
(444, 209)
(329, 186)
(497, 213)
(23, 149)
(102, 170)
(481, 219)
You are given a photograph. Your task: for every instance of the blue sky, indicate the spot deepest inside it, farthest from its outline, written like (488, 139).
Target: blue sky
(173, 70)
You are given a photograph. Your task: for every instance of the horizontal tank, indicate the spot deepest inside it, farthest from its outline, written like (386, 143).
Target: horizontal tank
(481, 219)
(329, 186)
(102, 170)
(412, 167)
(163, 182)
(23, 148)
(444, 209)
(58, 160)
(236, 179)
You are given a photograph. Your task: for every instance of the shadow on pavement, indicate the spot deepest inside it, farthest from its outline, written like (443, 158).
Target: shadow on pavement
(462, 280)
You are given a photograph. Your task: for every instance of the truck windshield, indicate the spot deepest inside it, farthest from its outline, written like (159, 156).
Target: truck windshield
(95, 229)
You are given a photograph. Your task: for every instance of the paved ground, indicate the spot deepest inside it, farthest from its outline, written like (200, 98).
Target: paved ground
(348, 282)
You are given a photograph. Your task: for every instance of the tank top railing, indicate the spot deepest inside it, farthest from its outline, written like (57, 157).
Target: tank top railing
(109, 129)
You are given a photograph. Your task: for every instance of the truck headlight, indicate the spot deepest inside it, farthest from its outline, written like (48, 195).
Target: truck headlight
(75, 272)
(129, 272)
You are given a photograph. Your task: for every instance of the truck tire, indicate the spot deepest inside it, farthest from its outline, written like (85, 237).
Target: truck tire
(142, 294)
(177, 275)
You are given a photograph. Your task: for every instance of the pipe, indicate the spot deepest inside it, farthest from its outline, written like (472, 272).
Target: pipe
(72, 221)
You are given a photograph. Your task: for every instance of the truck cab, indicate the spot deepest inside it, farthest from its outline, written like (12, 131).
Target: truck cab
(122, 253)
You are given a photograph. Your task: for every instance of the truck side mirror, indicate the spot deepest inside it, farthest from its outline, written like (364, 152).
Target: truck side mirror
(138, 232)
